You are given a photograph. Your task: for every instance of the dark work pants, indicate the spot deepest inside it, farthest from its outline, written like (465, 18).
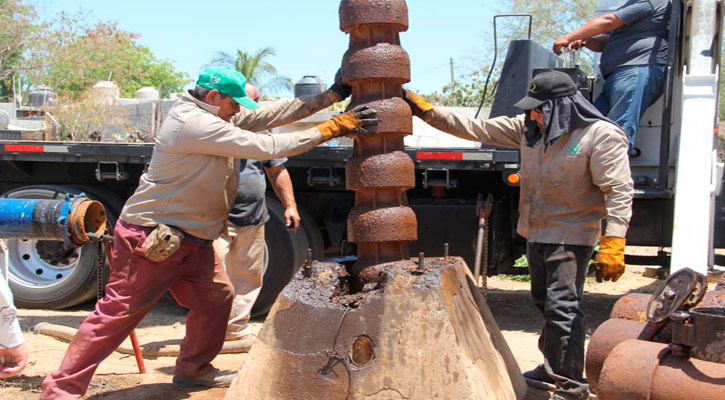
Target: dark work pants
(557, 282)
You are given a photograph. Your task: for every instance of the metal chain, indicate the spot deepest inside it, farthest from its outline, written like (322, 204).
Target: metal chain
(484, 260)
(99, 270)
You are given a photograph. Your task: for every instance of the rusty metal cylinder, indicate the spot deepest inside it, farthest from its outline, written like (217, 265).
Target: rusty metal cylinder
(633, 306)
(379, 171)
(69, 220)
(639, 370)
(607, 336)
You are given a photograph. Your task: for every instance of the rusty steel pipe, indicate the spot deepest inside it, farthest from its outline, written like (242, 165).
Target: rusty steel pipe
(628, 321)
(379, 171)
(639, 370)
(70, 220)
(607, 336)
(633, 306)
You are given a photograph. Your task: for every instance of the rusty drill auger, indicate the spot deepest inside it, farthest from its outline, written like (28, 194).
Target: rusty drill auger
(365, 343)
(380, 172)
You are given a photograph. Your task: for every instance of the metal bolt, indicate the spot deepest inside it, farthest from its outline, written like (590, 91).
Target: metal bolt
(308, 264)
(670, 294)
(445, 250)
(421, 257)
(343, 247)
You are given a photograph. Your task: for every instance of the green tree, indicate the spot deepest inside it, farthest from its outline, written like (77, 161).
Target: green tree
(722, 87)
(255, 67)
(18, 25)
(551, 19)
(75, 56)
(465, 93)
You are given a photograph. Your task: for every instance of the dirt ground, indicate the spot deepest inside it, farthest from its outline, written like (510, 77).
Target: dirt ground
(117, 378)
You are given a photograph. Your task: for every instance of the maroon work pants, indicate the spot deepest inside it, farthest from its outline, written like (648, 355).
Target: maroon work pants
(195, 277)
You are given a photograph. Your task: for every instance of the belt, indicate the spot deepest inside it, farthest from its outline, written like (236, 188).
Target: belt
(196, 240)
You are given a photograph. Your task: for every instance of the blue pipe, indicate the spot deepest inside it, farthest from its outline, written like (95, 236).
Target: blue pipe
(35, 219)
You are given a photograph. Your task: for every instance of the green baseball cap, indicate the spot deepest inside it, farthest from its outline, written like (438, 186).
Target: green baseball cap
(227, 81)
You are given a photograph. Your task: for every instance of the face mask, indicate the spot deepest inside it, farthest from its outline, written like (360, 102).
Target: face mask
(533, 131)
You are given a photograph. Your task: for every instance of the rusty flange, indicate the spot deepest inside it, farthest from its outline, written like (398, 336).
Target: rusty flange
(390, 224)
(639, 370)
(86, 216)
(380, 61)
(354, 13)
(607, 336)
(387, 170)
(394, 114)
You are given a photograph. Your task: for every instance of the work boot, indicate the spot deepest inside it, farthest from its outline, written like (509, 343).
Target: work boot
(539, 374)
(214, 379)
(559, 396)
(247, 333)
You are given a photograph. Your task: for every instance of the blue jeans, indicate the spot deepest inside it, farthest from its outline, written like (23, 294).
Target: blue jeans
(628, 92)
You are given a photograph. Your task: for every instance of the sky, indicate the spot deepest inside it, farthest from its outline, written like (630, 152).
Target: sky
(305, 34)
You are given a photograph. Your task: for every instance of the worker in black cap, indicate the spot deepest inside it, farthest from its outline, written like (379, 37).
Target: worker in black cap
(574, 174)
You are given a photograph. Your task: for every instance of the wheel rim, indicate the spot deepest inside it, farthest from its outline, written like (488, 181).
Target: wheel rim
(28, 267)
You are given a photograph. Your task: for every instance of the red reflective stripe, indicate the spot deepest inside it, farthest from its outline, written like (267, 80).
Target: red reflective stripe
(34, 148)
(438, 155)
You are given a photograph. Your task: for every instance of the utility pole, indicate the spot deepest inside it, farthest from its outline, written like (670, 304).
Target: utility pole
(453, 83)
(453, 77)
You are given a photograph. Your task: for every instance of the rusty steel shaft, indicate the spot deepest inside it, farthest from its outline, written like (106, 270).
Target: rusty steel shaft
(376, 67)
(639, 370)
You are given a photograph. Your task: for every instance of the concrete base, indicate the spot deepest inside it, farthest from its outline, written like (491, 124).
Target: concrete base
(419, 335)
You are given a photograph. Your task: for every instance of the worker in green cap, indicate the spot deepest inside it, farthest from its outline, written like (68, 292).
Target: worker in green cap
(163, 239)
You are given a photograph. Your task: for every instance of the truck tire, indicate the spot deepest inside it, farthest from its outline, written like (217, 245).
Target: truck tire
(314, 236)
(286, 253)
(43, 276)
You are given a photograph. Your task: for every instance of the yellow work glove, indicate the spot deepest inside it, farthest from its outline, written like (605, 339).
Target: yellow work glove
(356, 120)
(418, 104)
(609, 262)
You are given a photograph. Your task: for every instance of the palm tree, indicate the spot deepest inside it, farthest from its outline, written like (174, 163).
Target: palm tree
(259, 72)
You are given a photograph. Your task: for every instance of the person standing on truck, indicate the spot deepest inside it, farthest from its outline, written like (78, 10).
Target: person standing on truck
(163, 239)
(634, 44)
(574, 173)
(242, 248)
(13, 352)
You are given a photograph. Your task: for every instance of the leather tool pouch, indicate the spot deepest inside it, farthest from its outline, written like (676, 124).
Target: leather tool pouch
(162, 242)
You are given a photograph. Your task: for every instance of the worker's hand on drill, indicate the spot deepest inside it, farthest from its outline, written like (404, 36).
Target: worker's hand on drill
(609, 262)
(339, 88)
(418, 104)
(13, 361)
(358, 120)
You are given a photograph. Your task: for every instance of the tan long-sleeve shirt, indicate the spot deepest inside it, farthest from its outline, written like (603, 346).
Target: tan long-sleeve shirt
(567, 188)
(193, 175)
